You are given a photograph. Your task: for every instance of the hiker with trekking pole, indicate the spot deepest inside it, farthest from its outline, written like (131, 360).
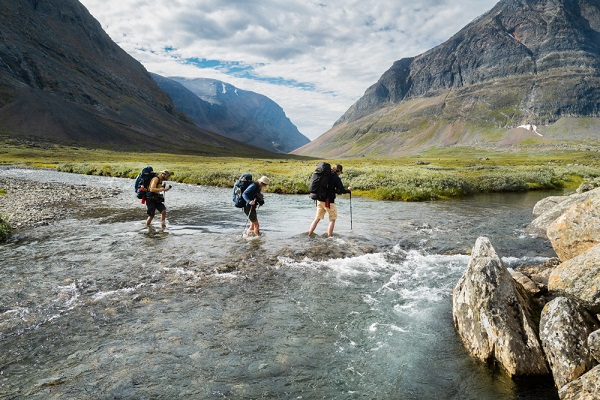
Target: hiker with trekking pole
(326, 200)
(253, 198)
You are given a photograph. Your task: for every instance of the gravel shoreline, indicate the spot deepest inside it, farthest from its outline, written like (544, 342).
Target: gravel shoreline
(28, 204)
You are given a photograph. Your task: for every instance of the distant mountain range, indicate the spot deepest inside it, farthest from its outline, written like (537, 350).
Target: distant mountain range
(241, 115)
(524, 75)
(63, 80)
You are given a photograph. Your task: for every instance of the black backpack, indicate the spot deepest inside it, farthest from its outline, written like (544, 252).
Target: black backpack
(319, 182)
(142, 182)
(238, 188)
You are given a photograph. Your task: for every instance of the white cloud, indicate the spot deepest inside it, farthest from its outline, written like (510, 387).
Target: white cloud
(314, 58)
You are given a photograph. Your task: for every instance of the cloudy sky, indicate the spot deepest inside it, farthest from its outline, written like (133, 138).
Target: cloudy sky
(315, 58)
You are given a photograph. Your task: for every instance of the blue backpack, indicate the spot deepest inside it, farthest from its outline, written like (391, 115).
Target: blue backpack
(142, 182)
(238, 188)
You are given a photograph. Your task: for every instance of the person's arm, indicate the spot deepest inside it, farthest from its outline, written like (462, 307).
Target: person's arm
(250, 194)
(339, 186)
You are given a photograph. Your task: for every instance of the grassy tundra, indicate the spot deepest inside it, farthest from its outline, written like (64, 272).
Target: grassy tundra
(438, 174)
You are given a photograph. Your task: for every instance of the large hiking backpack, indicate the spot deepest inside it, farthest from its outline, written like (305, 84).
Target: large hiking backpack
(142, 182)
(238, 188)
(319, 182)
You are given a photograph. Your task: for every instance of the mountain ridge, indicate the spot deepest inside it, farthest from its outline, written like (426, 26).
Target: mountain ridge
(63, 80)
(524, 62)
(238, 114)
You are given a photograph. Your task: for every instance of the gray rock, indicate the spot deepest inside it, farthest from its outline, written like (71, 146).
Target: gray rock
(546, 204)
(540, 225)
(564, 329)
(587, 387)
(579, 278)
(577, 229)
(527, 283)
(494, 317)
(594, 344)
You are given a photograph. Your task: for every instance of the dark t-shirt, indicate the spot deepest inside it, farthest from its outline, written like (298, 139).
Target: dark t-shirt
(335, 186)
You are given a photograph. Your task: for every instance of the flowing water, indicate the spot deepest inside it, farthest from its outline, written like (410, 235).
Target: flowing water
(99, 307)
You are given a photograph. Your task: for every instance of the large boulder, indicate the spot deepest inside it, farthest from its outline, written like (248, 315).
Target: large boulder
(540, 225)
(579, 278)
(587, 387)
(546, 204)
(564, 330)
(577, 229)
(493, 315)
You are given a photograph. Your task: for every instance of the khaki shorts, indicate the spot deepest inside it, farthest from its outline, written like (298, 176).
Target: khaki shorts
(331, 211)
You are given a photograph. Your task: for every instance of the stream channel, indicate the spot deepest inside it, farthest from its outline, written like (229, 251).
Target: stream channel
(97, 306)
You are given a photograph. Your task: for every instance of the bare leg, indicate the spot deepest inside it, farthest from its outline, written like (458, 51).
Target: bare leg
(330, 228)
(163, 217)
(254, 228)
(313, 226)
(149, 220)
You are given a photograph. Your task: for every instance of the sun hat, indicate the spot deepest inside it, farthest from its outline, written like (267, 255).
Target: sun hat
(264, 180)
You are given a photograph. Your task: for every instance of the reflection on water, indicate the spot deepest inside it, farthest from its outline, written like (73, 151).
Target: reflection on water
(98, 306)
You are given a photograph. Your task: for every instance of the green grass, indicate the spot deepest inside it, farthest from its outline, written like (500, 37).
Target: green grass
(433, 175)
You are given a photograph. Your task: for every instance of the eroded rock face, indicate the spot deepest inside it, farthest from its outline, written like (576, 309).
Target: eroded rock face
(564, 330)
(577, 229)
(579, 278)
(493, 315)
(587, 387)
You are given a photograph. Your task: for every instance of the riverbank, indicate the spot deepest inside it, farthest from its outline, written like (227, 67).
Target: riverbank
(29, 204)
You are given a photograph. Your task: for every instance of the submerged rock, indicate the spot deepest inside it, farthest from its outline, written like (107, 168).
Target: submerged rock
(579, 278)
(564, 330)
(494, 316)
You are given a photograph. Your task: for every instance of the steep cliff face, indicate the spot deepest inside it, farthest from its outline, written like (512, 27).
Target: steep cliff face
(62, 79)
(524, 62)
(241, 115)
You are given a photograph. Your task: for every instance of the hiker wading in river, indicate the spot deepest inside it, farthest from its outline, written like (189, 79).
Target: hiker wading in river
(328, 206)
(155, 201)
(254, 197)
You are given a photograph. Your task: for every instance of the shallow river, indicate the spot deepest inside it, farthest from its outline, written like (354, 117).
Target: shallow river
(97, 306)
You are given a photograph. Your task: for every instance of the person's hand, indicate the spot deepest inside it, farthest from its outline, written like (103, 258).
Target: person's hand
(350, 188)
(253, 202)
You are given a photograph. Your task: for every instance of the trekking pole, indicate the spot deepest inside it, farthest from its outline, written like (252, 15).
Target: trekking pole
(350, 210)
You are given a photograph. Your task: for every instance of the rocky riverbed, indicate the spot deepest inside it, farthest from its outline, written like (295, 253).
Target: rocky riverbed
(29, 204)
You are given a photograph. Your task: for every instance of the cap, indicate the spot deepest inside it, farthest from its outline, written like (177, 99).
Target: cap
(166, 172)
(264, 180)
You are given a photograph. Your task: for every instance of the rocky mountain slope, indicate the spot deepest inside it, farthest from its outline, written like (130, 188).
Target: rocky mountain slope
(533, 64)
(63, 80)
(238, 114)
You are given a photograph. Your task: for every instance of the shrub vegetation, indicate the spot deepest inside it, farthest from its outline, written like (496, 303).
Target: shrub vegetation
(434, 175)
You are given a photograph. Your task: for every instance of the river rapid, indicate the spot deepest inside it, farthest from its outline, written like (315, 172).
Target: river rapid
(97, 306)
